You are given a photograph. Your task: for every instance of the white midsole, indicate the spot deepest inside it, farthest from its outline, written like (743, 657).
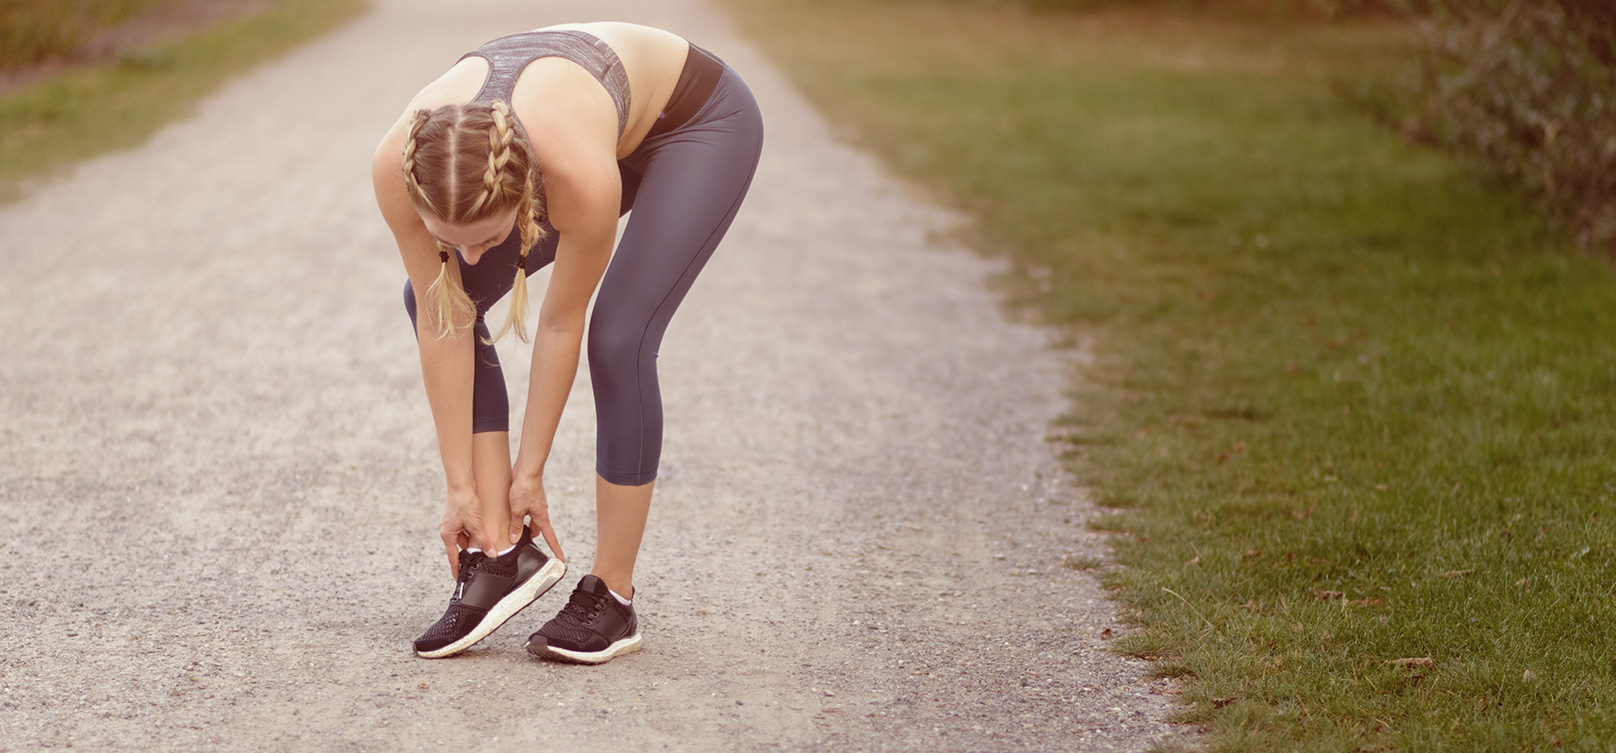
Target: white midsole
(505, 608)
(622, 646)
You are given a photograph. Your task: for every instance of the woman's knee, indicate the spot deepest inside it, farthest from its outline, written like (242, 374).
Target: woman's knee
(614, 347)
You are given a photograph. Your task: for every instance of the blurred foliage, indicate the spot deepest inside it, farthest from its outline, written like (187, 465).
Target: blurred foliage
(1530, 87)
(1270, 8)
(33, 31)
(111, 104)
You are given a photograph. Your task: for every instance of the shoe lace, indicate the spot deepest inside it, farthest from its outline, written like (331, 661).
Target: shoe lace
(582, 607)
(470, 563)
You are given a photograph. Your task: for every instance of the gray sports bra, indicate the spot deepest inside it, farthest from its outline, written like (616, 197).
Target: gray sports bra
(508, 56)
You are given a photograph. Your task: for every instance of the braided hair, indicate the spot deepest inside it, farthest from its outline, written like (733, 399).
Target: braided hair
(466, 163)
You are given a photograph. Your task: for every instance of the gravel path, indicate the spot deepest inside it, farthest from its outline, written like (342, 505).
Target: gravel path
(219, 488)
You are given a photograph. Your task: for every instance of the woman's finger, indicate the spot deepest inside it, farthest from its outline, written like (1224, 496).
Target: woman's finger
(516, 527)
(490, 543)
(453, 553)
(550, 537)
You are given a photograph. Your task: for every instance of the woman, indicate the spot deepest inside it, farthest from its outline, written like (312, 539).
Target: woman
(526, 153)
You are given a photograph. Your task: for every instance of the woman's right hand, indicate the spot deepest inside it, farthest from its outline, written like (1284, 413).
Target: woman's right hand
(462, 527)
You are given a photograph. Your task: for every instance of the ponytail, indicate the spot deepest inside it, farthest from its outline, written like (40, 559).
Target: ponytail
(449, 306)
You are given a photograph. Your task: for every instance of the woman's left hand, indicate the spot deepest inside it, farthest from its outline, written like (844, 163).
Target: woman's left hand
(528, 501)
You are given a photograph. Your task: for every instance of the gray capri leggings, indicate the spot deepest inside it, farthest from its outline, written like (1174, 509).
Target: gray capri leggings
(684, 187)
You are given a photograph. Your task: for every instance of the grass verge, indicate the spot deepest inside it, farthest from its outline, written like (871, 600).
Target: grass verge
(1352, 405)
(36, 30)
(87, 111)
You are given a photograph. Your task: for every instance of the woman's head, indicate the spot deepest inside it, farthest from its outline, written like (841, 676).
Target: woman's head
(468, 168)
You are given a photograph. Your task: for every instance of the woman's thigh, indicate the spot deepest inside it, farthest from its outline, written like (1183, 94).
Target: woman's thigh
(690, 182)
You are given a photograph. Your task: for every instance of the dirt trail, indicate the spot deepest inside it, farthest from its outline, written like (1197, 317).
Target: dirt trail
(219, 492)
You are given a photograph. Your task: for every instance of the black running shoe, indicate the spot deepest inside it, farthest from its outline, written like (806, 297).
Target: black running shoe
(488, 592)
(591, 629)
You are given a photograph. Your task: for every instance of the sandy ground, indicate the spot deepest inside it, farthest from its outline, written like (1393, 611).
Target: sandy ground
(219, 488)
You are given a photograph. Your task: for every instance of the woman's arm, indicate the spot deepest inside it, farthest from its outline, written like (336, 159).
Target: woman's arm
(584, 193)
(446, 363)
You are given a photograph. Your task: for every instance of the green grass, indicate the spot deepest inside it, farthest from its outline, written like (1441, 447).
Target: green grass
(1351, 403)
(35, 30)
(87, 111)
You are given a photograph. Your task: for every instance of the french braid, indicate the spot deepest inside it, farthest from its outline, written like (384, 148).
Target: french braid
(504, 147)
(443, 159)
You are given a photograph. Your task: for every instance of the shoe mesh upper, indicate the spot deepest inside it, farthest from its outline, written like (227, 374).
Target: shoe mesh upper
(455, 623)
(505, 566)
(459, 620)
(570, 629)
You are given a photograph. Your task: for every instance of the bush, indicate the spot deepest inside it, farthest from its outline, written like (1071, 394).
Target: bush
(1260, 8)
(33, 31)
(1529, 86)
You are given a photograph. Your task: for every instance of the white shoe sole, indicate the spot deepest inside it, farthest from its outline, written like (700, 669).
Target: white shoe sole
(506, 608)
(623, 646)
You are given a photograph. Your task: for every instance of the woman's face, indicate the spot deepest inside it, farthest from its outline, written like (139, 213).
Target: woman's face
(473, 238)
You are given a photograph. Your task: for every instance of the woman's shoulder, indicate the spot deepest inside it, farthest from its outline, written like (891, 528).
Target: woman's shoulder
(455, 86)
(618, 31)
(634, 44)
(387, 172)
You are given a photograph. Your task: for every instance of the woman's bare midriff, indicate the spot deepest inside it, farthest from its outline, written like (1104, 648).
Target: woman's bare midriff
(653, 59)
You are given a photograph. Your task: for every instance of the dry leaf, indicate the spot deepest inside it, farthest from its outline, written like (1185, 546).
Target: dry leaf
(1520, 583)
(1528, 676)
(1219, 703)
(1422, 661)
(1457, 573)
(1381, 487)
(1327, 595)
(1106, 634)
(1253, 553)
(1250, 606)
(1367, 602)
(1296, 627)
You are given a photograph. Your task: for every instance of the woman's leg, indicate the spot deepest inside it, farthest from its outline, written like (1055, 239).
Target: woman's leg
(491, 472)
(487, 282)
(620, 514)
(692, 182)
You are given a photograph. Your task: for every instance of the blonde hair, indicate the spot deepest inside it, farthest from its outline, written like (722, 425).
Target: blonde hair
(463, 164)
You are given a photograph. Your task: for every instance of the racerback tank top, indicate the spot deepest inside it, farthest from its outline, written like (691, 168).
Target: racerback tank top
(508, 56)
